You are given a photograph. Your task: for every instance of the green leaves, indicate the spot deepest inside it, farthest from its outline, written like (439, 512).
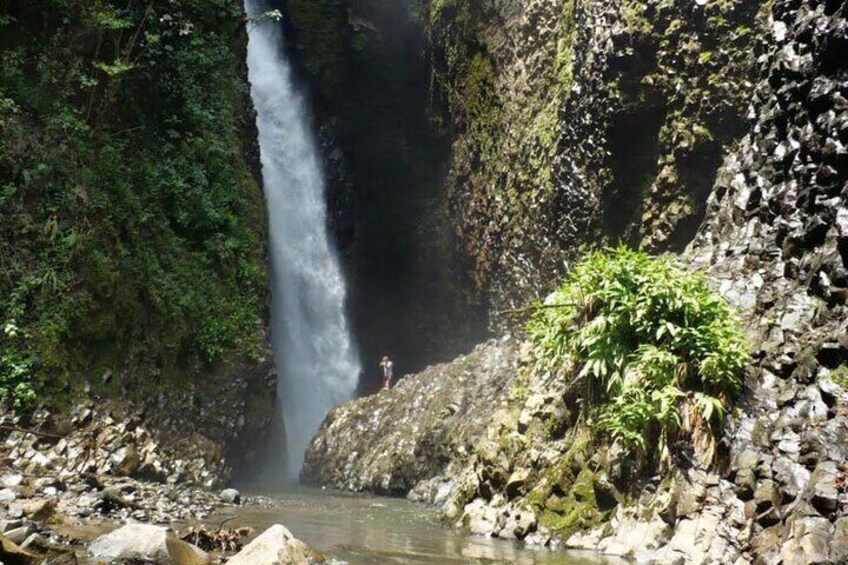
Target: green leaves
(109, 19)
(130, 239)
(267, 16)
(114, 69)
(16, 386)
(666, 348)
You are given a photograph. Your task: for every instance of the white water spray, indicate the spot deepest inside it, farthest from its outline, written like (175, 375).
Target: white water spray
(316, 360)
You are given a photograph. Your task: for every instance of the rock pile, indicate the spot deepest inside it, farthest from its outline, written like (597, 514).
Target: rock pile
(95, 467)
(99, 444)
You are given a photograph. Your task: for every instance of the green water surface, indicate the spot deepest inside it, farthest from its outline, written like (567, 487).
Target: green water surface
(365, 530)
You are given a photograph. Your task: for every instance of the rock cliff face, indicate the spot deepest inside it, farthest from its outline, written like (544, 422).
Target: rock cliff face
(771, 189)
(775, 237)
(366, 65)
(575, 123)
(388, 442)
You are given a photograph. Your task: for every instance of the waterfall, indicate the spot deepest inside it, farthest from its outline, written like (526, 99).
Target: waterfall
(316, 360)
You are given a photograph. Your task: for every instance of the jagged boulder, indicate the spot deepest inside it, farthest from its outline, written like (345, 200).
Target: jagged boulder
(275, 546)
(389, 442)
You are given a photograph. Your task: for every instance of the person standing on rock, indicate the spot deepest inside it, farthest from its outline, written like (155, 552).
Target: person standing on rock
(387, 369)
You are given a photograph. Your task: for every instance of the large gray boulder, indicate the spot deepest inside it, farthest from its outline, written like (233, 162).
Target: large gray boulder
(147, 544)
(388, 443)
(276, 546)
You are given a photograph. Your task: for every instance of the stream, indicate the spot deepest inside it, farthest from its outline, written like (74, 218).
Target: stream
(366, 530)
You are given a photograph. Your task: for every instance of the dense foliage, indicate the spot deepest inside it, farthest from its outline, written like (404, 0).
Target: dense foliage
(131, 234)
(652, 346)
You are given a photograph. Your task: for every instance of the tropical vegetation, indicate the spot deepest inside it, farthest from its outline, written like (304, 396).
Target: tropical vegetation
(657, 354)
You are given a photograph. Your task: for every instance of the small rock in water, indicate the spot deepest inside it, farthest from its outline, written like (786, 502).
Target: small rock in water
(231, 496)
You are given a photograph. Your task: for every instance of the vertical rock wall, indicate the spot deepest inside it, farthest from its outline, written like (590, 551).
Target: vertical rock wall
(576, 123)
(776, 236)
(367, 65)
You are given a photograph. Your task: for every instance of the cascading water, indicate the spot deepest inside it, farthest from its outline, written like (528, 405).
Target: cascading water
(316, 360)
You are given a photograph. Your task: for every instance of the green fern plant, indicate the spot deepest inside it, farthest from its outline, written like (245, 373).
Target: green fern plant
(660, 355)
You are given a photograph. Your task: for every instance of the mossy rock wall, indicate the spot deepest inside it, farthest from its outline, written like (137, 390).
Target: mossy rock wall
(576, 123)
(501, 71)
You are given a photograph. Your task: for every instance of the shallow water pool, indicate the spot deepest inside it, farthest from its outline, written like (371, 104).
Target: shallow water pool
(366, 530)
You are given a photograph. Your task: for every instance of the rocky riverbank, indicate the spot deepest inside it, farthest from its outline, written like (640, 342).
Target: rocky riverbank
(66, 478)
(486, 441)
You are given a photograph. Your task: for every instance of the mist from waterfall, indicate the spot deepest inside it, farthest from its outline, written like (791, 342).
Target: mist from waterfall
(317, 362)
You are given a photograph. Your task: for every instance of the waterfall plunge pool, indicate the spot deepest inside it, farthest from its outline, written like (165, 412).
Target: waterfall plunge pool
(367, 530)
(357, 529)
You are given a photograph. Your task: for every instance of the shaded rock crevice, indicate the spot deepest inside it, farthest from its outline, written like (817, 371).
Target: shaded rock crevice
(365, 66)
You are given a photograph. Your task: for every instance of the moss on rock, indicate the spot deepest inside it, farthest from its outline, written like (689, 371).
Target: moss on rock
(609, 121)
(320, 38)
(576, 511)
(504, 112)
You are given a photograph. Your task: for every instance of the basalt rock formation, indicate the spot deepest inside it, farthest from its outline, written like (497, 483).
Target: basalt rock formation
(575, 123)
(758, 151)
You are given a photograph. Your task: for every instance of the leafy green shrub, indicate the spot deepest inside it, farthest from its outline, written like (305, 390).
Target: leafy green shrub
(654, 348)
(15, 370)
